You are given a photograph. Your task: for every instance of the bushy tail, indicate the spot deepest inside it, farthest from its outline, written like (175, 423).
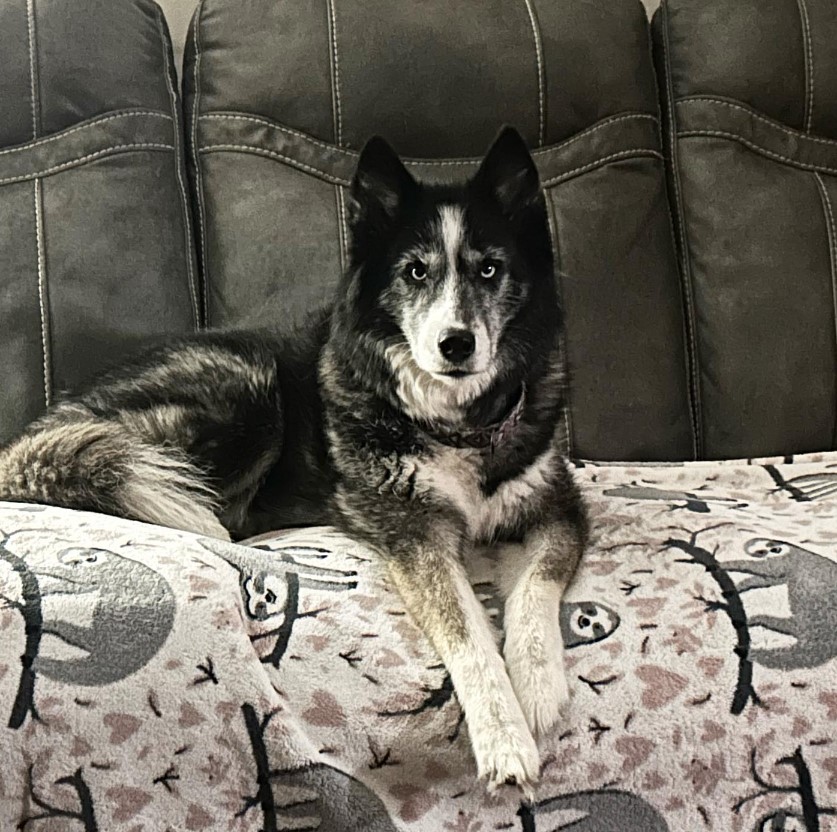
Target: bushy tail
(73, 459)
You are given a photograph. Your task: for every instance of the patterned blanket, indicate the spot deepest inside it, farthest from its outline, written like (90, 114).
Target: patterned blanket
(154, 680)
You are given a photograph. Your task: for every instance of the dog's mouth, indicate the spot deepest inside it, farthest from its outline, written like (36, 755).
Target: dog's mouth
(455, 374)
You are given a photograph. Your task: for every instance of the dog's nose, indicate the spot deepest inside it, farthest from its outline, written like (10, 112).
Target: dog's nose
(457, 344)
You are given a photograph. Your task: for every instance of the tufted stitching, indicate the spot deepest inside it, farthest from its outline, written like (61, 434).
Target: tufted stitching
(828, 211)
(777, 125)
(809, 64)
(343, 221)
(336, 180)
(335, 74)
(536, 33)
(543, 151)
(72, 163)
(723, 134)
(351, 154)
(202, 250)
(43, 304)
(281, 128)
(638, 152)
(693, 368)
(178, 166)
(39, 207)
(281, 157)
(87, 125)
(341, 242)
(33, 62)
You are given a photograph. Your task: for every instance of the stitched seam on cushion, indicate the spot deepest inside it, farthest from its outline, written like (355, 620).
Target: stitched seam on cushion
(797, 134)
(544, 151)
(536, 34)
(693, 368)
(335, 75)
(442, 162)
(684, 324)
(721, 134)
(828, 211)
(272, 154)
(202, 245)
(279, 128)
(33, 84)
(72, 163)
(338, 215)
(20, 148)
(556, 264)
(344, 222)
(178, 167)
(42, 291)
(638, 152)
(809, 64)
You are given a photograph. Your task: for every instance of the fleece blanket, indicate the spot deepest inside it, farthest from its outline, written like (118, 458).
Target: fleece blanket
(154, 680)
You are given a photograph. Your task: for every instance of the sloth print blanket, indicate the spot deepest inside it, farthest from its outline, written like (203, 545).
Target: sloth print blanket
(153, 680)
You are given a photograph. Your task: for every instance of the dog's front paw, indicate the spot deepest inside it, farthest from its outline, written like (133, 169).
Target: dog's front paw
(506, 754)
(541, 689)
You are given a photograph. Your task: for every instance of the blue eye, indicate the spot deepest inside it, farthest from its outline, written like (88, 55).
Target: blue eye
(488, 270)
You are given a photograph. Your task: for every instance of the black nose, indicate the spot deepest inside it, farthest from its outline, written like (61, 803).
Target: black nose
(456, 345)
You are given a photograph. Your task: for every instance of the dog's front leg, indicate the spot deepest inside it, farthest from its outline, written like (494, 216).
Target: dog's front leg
(533, 578)
(433, 583)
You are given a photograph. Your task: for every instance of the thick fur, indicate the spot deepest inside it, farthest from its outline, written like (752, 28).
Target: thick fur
(352, 421)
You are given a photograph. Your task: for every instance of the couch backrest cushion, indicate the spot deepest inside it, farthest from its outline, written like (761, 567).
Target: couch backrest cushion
(95, 239)
(750, 89)
(280, 97)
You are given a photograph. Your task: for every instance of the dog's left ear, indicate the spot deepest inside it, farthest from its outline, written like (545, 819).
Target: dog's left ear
(508, 173)
(381, 183)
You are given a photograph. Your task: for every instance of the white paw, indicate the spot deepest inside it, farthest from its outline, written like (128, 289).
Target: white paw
(506, 754)
(541, 689)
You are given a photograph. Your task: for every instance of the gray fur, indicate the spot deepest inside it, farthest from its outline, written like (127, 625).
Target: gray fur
(75, 459)
(582, 622)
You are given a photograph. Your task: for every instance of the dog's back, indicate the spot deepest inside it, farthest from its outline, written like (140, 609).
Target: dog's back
(182, 436)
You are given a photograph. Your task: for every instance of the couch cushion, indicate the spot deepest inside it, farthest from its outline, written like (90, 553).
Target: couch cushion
(281, 96)
(95, 235)
(751, 93)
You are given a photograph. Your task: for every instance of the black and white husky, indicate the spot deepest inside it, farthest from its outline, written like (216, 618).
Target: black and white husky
(420, 413)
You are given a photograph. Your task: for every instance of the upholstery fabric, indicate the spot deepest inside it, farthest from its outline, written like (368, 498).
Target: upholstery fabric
(169, 690)
(281, 96)
(750, 90)
(95, 228)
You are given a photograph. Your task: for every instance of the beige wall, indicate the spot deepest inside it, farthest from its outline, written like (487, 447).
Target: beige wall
(178, 14)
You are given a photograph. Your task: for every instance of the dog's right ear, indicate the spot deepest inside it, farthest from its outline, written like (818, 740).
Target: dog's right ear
(508, 173)
(381, 184)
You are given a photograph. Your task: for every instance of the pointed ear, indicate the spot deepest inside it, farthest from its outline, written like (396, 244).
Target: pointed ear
(381, 183)
(508, 173)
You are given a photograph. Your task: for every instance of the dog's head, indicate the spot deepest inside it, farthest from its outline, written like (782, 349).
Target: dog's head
(453, 284)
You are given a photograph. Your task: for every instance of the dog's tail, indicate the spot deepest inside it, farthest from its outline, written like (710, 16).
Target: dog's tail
(74, 459)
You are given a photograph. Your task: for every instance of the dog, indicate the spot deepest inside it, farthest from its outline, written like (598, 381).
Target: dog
(421, 413)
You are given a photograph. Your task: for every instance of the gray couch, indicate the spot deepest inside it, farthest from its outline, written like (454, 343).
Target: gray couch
(690, 170)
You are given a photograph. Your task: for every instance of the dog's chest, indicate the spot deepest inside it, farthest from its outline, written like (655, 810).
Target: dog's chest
(455, 477)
